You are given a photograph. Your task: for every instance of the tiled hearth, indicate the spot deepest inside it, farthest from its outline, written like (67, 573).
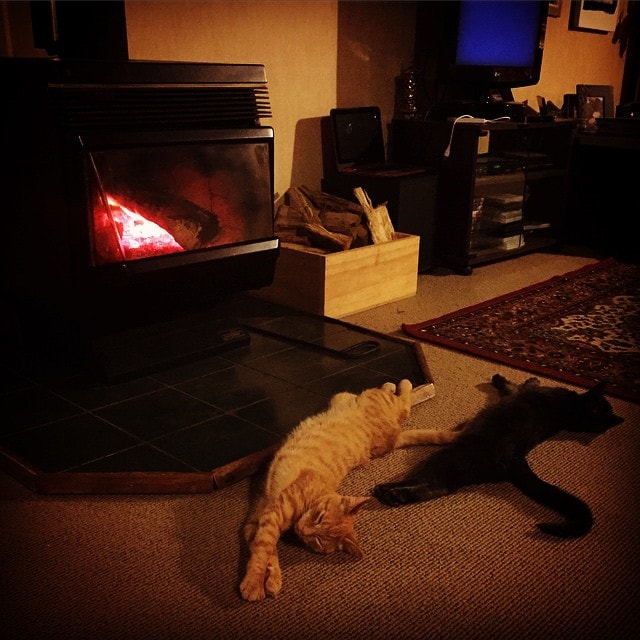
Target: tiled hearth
(203, 422)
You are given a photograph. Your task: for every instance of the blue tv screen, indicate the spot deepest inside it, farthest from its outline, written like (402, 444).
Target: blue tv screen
(503, 33)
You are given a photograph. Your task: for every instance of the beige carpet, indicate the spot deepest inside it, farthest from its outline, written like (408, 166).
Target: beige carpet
(469, 566)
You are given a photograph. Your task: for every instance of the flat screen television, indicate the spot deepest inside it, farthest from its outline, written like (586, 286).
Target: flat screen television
(488, 48)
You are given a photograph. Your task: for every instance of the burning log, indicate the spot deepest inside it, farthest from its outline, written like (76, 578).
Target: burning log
(192, 226)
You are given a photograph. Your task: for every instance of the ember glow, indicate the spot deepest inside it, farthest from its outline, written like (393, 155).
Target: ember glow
(139, 237)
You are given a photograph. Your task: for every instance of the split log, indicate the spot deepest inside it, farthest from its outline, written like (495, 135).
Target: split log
(340, 215)
(321, 237)
(298, 201)
(331, 223)
(378, 218)
(346, 223)
(288, 217)
(328, 202)
(292, 226)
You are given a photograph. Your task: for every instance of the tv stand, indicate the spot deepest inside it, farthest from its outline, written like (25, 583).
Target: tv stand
(502, 187)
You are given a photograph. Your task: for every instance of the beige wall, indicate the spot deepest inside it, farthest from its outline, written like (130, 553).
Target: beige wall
(319, 55)
(574, 57)
(324, 54)
(296, 41)
(375, 40)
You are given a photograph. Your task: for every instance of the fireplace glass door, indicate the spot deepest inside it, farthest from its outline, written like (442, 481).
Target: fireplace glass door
(163, 199)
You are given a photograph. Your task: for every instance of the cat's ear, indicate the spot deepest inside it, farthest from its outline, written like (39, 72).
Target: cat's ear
(351, 504)
(351, 546)
(598, 390)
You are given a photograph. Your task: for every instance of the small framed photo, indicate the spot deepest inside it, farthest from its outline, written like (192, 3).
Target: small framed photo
(594, 101)
(555, 8)
(598, 16)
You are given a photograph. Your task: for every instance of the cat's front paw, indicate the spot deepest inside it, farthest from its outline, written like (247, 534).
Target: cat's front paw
(273, 583)
(404, 387)
(392, 494)
(252, 588)
(258, 586)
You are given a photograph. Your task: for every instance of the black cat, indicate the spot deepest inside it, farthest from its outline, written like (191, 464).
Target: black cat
(493, 447)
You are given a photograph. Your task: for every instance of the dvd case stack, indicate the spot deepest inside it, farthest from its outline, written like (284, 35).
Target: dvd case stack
(502, 216)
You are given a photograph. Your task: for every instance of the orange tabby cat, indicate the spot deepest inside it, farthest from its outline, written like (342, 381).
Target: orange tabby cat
(302, 480)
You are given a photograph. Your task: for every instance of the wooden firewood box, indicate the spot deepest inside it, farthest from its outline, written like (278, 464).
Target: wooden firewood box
(345, 282)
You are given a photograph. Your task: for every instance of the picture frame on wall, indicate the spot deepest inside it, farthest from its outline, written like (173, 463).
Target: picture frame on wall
(555, 7)
(598, 16)
(594, 101)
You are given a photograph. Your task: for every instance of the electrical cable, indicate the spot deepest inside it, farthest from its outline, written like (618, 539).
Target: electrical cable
(466, 116)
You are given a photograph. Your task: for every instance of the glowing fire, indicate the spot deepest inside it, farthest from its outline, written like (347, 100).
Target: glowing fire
(139, 237)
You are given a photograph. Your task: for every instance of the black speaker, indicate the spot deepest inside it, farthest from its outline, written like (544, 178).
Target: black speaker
(570, 106)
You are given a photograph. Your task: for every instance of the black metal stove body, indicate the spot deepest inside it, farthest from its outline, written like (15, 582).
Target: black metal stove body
(136, 190)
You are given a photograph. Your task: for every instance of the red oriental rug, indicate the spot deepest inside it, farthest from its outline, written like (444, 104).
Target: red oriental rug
(581, 327)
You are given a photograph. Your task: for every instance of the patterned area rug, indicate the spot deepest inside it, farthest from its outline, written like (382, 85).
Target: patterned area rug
(581, 328)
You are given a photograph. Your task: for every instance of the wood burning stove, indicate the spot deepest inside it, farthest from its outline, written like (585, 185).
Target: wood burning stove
(137, 191)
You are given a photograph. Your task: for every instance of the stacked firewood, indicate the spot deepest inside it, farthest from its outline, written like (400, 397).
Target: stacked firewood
(326, 223)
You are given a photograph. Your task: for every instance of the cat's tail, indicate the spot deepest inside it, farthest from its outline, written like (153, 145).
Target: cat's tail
(577, 513)
(411, 437)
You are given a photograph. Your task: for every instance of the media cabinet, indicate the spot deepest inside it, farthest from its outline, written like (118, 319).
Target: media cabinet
(502, 186)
